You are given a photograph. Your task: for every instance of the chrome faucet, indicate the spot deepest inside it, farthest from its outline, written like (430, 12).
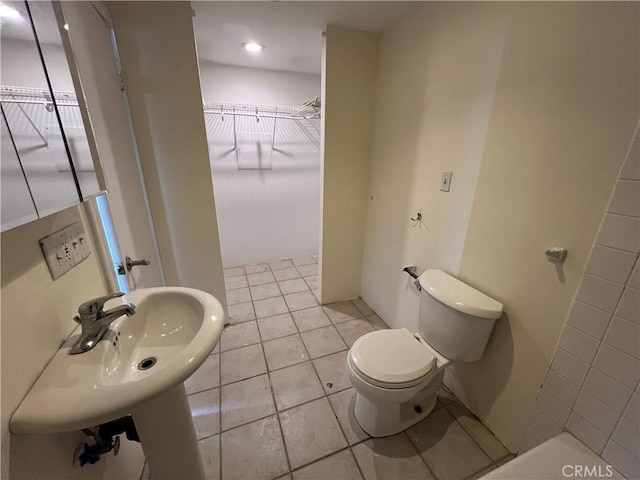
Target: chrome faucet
(95, 321)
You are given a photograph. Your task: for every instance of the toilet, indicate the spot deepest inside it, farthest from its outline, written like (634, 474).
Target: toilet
(396, 373)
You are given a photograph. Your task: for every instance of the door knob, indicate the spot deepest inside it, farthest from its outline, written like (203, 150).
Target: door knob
(136, 263)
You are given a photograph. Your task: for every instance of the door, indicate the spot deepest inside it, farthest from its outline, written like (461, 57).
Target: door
(93, 46)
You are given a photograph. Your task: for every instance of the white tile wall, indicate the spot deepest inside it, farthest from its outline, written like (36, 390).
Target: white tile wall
(592, 388)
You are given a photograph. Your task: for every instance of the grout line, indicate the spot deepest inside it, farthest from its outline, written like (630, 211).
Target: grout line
(446, 407)
(275, 407)
(415, 448)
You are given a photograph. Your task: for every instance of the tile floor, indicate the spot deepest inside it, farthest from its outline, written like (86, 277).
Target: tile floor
(274, 400)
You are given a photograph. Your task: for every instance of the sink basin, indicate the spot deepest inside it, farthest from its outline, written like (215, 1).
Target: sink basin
(177, 327)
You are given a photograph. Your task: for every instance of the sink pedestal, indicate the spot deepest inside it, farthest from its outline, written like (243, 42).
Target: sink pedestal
(168, 437)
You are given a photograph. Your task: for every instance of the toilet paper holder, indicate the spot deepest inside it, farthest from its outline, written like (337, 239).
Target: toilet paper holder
(411, 270)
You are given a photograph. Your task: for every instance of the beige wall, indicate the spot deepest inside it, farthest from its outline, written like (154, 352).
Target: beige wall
(36, 318)
(564, 113)
(538, 101)
(160, 66)
(437, 75)
(589, 388)
(348, 83)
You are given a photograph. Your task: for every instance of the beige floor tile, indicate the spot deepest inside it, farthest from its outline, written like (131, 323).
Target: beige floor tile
(310, 318)
(295, 385)
(390, 457)
(210, 453)
(323, 341)
(270, 307)
(260, 278)
(285, 351)
(246, 401)
(205, 411)
(311, 432)
(351, 330)
(308, 270)
(286, 274)
(332, 371)
(254, 451)
(312, 281)
(241, 312)
(280, 264)
(285, 477)
(259, 268)
(341, 311)
(316, 293)
(483, 437)
(293, 286)
(446, 448)
(242, 363)
(239, 295)
(206, 377)
(233, 272)
(303, 261)
(268, 290)
(277, 326)
(376, 322)
(362, 307)
(342, 403)
(239, 335)
(232, 283)
(339, 466)
(301, 300)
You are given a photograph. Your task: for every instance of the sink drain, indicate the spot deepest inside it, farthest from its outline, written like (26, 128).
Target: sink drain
(147, 363)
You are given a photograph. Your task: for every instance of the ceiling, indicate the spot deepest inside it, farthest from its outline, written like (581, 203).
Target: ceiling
(290, 30)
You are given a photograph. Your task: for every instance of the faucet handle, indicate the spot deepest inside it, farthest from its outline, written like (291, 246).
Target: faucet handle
(95, 305)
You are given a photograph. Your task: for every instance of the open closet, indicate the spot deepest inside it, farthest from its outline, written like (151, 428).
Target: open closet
(263, 121)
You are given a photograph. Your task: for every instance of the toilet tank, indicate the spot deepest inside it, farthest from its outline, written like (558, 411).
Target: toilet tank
(455, 319)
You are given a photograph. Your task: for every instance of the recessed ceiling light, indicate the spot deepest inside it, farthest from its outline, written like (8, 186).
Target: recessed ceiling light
(66, 27)
(8, 12)
(252, 47)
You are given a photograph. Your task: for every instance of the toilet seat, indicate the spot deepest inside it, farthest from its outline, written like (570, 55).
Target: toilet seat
(391, 358)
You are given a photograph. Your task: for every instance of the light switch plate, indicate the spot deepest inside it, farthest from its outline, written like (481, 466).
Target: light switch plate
(445, 182)
(65, 249)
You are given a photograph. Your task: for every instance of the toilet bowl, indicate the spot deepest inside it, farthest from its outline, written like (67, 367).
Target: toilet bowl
(396, 373)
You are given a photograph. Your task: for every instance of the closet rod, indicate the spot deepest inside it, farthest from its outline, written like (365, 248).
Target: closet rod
(44, 103)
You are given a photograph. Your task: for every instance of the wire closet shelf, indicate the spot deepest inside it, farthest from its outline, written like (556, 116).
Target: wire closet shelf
(307, 111)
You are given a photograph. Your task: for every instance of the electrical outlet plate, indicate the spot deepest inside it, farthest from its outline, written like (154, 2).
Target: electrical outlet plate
(445, 182)
(65, 249)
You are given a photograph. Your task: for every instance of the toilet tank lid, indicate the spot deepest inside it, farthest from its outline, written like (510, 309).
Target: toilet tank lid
(458, 295)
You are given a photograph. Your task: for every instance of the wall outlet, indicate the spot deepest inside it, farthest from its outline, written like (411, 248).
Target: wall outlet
(445, 182)
(65, 249)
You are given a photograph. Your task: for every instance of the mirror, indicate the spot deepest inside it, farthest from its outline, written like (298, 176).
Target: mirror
(46, 162)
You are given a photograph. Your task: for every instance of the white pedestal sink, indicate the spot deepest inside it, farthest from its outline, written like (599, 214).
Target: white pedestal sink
(179, 328)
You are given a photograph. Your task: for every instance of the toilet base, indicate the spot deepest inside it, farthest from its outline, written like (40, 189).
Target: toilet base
(382, 419)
